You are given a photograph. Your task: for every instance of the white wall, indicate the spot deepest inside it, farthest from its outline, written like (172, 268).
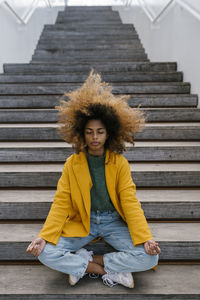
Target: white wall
(174, 37)
(18, 41)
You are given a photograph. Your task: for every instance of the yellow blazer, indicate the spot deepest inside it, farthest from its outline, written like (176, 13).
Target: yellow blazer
(69, 215)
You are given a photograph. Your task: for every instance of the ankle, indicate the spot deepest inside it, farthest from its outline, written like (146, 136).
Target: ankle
(98, 259)
(95, 268)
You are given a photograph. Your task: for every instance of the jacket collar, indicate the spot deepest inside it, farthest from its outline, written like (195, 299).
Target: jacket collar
(82, 159)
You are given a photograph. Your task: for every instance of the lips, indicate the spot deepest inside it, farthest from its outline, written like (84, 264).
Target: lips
(95, 143)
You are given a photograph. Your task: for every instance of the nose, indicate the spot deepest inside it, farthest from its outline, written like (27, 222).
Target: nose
(94, 136)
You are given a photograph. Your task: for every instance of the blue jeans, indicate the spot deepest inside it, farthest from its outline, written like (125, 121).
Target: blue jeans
(114, 231)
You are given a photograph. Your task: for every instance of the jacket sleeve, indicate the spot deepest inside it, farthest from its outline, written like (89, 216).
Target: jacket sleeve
(59, 211)
(134, 215)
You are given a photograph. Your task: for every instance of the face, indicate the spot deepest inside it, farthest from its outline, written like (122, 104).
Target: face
(95, 135)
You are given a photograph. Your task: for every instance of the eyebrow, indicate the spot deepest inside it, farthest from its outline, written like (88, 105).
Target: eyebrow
(93, 128)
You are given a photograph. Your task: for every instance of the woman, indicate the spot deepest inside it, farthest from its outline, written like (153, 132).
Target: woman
(95, 195)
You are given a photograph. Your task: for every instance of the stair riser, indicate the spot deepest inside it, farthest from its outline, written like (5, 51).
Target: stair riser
(89, 60)
(51, 116)
(104, 297)
(89, 46)
(153, 211)
(84, 12)
(92, 31)
(141, 179)
(83, 53)
(88, 39)
(60, 89)
(151, 133)
(79, 9)
(96, 18)
(138, 154)
(125, 67)
(76, 78)
(92, 57)
(88, 28)
(170, 251)
(89, 22)
(190, 133)
(88, 35)
(92, 42)
(51, 101)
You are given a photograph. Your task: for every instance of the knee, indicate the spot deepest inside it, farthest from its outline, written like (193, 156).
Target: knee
(146, 261)
(43, 257)
(49, 254)
(151, 261)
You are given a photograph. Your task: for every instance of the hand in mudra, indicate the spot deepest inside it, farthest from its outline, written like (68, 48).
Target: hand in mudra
(151, 247)
(36, 246)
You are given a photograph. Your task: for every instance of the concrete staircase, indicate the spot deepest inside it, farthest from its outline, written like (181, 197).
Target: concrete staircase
(164, 162)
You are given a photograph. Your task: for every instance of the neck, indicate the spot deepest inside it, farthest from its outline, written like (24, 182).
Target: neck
(96, 153)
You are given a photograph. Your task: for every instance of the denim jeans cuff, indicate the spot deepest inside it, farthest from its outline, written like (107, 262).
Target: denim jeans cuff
(82, 271)
(106, 263)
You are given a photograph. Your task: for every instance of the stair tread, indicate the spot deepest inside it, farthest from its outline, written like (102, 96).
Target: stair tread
(55, 125)
(23, 144)
(143, 195)
(135, 167)
(114, 64)
(144, 109)
(166, 280)
(118, 85)
(165, 232)
(154, 109)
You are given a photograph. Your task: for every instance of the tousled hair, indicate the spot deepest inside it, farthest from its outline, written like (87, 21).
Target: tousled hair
(94, 100)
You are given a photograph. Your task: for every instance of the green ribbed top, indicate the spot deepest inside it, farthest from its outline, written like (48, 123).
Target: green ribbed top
(100, 199)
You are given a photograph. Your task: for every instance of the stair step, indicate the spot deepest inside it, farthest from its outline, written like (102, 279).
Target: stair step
(90, 39)
(60, 89)
(85, 12)
(165, 204)
(79, 9)
(165, 283)
(178, 241)
(51, 115)
(63, 144)
(95, 18)
(91, 11)
(59, 154)
(86, 53)
(77, 45)
(62, 29)
(87, 58)
(154, 167)
(90, 35)
(47, 132)
(144, 195)
(91, 44)
(79, 21)
(88, 28)
(50, 101)
(75, 77)
(112, 67)
(143, 174)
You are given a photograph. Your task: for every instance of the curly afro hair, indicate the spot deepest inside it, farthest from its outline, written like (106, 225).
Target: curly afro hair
(94, 100)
